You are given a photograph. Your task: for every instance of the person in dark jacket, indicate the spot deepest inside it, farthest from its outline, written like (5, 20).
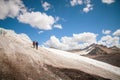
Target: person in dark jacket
(36, 45)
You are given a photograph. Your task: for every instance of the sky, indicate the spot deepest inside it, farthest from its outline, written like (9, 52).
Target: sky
(64, 24)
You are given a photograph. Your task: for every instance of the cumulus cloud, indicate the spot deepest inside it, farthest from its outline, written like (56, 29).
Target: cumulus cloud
(37, 20)
(58, 26)
(82, 40)
(11, 8)
(16, 8)
(109, 41)
(117, 33)
(85, 37)
(106, 31)
(46, 6)
(108, 1)
(77, 41)
(55, 43)
(76, 2)
(88, 6)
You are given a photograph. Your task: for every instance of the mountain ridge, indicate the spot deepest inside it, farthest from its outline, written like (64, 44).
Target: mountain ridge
(95, 49)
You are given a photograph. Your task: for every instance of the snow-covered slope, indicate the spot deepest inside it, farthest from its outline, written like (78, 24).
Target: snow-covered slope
(22, 62)
(70, 60)
(18, 60)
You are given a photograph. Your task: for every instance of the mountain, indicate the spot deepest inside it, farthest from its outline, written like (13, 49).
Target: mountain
(96, 49)
(101, 50)
(20, 61)
(115, 48)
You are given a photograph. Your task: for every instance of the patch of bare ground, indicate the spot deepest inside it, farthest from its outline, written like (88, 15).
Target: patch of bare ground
(72, 74)
(113, 59)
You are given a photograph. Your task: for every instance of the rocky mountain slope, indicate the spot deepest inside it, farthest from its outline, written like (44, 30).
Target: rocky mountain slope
(113, 59)
(96, 49)
(20, 61)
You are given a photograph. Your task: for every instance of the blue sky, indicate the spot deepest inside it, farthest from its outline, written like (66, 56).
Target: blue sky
(50, 21)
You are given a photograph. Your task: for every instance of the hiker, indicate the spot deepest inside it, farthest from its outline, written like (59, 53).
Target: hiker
(36, 45)
(2, 32)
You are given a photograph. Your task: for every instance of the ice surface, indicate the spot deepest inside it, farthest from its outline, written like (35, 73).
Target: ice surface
(85, 64)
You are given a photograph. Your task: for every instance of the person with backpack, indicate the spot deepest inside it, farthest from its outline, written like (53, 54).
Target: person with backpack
(37, 45)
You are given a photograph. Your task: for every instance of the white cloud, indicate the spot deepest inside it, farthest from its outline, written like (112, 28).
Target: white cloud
(37, 20)
(46, 6)
(77, 41)
(16, 8)
(109, 41)
(40, 32)
(117, 33)
(108, 1)
(85, 37)
(11, 8)
(76, 2)
(58, 26)
(55, 43)
(106, 31)
(88, 8)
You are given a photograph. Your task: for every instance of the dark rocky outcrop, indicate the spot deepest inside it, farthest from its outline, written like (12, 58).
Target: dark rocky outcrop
(97, 51)
(72, 74)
